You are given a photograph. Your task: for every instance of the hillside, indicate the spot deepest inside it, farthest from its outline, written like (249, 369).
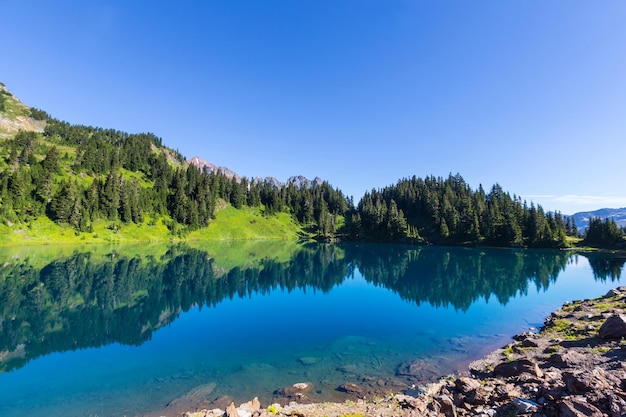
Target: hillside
(62, 183)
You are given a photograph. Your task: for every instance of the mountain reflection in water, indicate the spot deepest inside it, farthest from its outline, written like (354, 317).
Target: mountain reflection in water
(123, 295)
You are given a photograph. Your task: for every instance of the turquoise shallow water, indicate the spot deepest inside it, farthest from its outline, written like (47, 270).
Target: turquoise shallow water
(82, 337)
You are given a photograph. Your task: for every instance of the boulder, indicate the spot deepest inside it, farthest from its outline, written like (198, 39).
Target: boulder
(614, 327)
(613, 292)
(465, 385)
(296, 392)
(292, 390)
(480, 395)
(446, 406)
(231, 411)
(248, 409)
(596, 379)
(517, 367)
(409, 402)
(222, 402)
(577, 407)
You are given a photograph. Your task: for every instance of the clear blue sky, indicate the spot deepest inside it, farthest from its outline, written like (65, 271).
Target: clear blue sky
(528, 94)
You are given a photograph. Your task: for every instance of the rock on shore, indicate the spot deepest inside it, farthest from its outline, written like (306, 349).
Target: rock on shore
(575, 367)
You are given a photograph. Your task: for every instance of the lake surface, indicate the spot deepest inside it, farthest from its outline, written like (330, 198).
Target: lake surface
(125, 331)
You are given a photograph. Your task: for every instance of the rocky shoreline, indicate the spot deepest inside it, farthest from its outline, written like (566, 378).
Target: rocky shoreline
(576, 366)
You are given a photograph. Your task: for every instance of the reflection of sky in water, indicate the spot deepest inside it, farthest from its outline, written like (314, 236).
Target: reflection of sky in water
(251, 346)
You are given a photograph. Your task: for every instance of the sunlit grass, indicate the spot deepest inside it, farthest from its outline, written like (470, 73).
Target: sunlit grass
(248, 224)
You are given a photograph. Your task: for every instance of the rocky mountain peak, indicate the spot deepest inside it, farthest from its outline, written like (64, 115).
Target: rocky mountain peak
(202, 164)
(298, 181)
(15, 116)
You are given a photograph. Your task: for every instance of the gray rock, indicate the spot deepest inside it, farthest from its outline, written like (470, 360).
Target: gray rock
(614, 327)
(525, 406)
(529, 343)
(613, 292)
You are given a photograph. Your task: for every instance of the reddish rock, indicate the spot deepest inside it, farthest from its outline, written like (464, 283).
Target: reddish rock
(464, 385)
(515, 368)
(408, 402)
(446, 406)
(231, 411)
(576, 407)
(292, 390)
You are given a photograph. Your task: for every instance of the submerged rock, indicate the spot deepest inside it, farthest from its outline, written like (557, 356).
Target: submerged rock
(196, 398)
(351, 388)
(309, 360)
(295, 392)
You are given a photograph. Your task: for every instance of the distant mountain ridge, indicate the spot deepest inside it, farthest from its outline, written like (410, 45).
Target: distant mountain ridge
(298, 181)
(582, 218)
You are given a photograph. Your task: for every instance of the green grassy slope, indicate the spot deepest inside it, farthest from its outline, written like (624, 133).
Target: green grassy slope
(229, 224)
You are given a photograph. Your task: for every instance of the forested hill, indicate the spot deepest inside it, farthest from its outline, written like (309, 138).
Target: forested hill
(64, 182)
(448, 211)
(99, 182)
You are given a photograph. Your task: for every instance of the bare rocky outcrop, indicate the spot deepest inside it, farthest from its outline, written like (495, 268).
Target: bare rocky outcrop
(570, 369)
(16, 117)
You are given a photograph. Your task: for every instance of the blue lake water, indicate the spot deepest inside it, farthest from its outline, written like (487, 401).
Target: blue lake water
(124, 331)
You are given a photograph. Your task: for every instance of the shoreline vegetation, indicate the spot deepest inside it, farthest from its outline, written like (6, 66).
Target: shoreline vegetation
(572, 367)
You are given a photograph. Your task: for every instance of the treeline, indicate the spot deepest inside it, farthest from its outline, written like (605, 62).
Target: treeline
(604, 233)
(76, 175)
(3, 98)
(448, 211)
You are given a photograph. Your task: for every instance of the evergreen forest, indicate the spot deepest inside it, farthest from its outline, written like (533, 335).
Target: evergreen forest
(86, 179)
